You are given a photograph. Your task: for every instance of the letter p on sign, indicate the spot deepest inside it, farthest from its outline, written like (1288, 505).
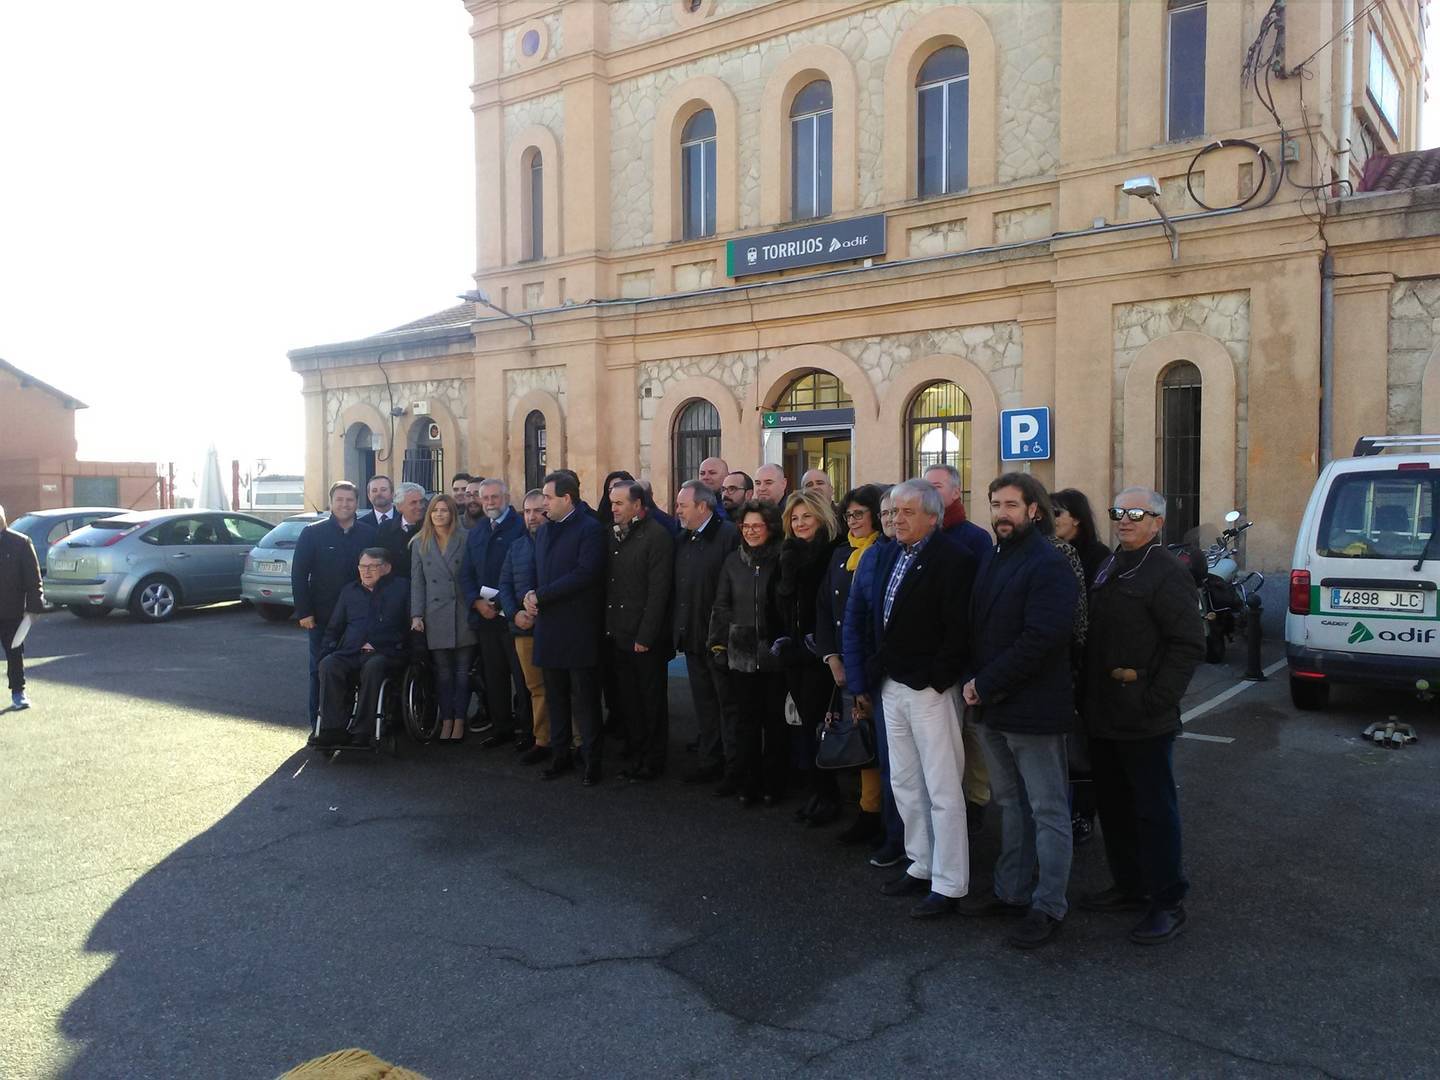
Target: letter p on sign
(1025, 434)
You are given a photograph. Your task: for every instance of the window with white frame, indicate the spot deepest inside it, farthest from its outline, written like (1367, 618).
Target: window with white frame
(697, 175)
(535, 241)
(1185, 70)
(942, 117)
(811, 138)
(1383, 84)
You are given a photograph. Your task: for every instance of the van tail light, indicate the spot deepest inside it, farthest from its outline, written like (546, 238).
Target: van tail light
(1299, 592)
(1307, 674)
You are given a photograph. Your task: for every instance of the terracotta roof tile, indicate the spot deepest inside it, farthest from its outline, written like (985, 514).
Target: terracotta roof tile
(1400, 172)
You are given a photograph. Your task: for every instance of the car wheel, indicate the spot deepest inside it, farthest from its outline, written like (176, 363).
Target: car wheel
(155, 599)
(1310, 695)
(85, 611)
(274, 612)
(1214, 643)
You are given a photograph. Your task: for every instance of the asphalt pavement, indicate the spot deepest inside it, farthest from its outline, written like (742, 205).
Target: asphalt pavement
(185, 891)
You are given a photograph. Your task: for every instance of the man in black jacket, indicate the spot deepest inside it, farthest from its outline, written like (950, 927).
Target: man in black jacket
(1145, 640)
(1021, 615)
(637, 625)
(702, 547)
(917, 607)
(365, 640)
(20, 591)
(395, 535)
(324, 563)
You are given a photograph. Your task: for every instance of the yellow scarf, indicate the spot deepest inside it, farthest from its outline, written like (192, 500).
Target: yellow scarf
(857, 548)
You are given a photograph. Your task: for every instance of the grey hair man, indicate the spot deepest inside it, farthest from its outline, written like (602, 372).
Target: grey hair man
(705, 541)
(20, 591)
(917, 609)
(1144, 642)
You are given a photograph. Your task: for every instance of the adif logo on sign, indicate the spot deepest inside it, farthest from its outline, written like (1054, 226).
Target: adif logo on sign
(1411, 635)
(1360, 634)
(751, 255)
(1025, 434)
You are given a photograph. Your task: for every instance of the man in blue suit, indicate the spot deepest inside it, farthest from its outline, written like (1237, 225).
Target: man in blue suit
(486, 545)
(568, 604)
(1022, 693)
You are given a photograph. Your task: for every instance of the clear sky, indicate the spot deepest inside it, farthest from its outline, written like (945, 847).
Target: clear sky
(190, 189)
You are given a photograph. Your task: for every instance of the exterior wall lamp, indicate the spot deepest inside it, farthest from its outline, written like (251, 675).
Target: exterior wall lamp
(476, 296)
(1148, 188)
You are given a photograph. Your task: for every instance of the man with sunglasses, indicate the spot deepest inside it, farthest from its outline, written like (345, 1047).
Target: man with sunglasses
(1145, 640)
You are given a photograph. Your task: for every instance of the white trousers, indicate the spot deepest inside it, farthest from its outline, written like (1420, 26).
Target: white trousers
(927, 761)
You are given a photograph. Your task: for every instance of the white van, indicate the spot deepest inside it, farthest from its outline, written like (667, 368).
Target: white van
(1365, 579)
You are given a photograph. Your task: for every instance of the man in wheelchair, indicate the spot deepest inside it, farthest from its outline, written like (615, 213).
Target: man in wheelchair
(366, 641)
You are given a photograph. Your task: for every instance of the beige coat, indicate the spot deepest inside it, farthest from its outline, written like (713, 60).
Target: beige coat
(435, 594)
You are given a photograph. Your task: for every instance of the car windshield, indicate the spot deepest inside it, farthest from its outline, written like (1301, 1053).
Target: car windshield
(285, 535)
(1379, 515)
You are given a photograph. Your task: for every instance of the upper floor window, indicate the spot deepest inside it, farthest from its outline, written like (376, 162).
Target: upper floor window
(943, 121)
(697, 175)
(535, 208)
(811, 130)
(1185, 70)
(1383, 85)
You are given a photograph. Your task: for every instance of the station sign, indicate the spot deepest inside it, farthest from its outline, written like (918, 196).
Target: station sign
(810, 245)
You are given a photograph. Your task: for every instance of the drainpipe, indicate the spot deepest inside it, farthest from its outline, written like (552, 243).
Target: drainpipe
(1327, 358)
(1347, 90)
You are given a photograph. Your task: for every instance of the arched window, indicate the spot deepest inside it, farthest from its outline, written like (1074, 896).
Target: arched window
(536, 465)
(817, 390)
(1177, 448)
(697, 175)
(942, 115)
(937, 431)
(697, 436)
(534, 206)
(811, 131)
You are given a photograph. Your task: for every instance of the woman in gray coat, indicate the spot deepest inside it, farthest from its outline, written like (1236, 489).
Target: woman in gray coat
(437, 607)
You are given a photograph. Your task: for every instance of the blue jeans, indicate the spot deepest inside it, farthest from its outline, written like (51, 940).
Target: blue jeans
(889, 814)
(1030, 782)
(452, 681)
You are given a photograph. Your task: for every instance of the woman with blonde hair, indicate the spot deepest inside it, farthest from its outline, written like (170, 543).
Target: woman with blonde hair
(437, 607)
(811, 532)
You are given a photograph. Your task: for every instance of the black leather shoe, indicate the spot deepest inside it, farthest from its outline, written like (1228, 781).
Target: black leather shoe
(640, 774)
(974, 818)
(1112, 900)
(1159, 925)
(559, 767)
(592, 777)
(933, 906)
(490, 742)
(524, 743)
(330, 737)
(772, 800)
(1033, 931)
(749, 801)
(535, 755)
(887, 855)
(803, 814)
(867, 829)
(729, 786)
(905, 885)
(825, 812)
(988, 904)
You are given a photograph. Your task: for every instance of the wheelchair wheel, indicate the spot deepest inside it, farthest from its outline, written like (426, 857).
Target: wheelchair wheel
(418, 705)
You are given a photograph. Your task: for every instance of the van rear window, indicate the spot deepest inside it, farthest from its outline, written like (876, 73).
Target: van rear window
(1379, 515)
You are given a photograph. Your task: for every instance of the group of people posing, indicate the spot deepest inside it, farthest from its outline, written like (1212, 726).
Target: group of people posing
(1037, 671)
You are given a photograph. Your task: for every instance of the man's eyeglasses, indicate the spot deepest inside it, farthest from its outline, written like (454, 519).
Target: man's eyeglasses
(1134, 513)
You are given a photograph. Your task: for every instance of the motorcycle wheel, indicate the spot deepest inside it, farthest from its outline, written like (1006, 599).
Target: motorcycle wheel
(1214, 642)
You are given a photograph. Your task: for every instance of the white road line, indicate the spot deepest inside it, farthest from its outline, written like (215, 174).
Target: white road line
(1206, 738)
(1225, 695)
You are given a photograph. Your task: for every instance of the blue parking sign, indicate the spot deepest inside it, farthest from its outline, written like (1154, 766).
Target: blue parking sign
(1025, 434)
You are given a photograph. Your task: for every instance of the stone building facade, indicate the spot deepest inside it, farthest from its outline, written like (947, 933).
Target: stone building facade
(628, 152)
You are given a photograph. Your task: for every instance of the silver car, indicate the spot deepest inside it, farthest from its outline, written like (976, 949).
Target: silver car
(266, 580)
(152, 562)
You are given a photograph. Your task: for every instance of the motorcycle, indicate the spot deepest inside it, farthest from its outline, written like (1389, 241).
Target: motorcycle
(1222, 589)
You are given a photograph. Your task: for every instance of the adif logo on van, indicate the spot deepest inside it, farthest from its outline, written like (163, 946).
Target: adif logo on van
(1411, 635)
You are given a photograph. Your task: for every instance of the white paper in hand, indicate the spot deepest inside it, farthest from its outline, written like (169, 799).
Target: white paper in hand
(487, 593)
(23, 631)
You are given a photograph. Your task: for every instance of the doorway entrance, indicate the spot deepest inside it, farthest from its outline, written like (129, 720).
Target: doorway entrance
(812, 426)
(828, 450)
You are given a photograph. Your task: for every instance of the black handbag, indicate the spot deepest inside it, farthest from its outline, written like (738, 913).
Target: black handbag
(841, 741)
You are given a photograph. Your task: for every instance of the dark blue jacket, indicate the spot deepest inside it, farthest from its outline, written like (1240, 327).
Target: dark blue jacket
(672, 526)
(326, 560)
(517, 577)
(485, 549)
(378, 617)
(926, 642)
(570, 588)
(1022, 614)
(973, 539)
